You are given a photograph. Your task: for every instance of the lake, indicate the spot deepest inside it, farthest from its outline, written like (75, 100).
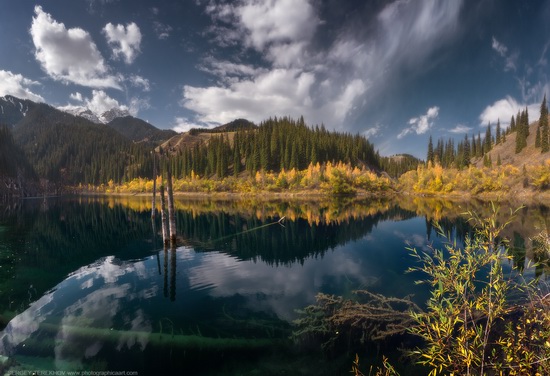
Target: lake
(85, 284)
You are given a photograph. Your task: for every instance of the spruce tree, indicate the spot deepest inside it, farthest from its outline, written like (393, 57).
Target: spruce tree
(479, 147)
(544, 142)
(488, 140)
(466, 152)
(430, 155)
(498, 132)
(522, 131)
(543, 126)
(525, 120)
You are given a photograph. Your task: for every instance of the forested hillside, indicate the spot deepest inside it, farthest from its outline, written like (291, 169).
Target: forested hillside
(277, 144)
(523, 143)
(514, 161)
(12, 159)
(69, 150)
(138, 130)
(17, 177)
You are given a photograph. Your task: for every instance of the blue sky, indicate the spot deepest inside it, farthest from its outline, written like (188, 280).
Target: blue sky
(395, 71)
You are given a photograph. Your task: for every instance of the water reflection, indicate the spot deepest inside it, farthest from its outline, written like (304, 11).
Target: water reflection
(119, 306)
(89, 289)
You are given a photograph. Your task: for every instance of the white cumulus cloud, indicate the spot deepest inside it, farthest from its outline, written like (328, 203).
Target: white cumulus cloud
(125, 41)
(183, 124)
(76, 96)
(504, 109)
(421, 124)
(18, 86)
(69, 55)
(277, 21)
(101, 102)
(285, 92)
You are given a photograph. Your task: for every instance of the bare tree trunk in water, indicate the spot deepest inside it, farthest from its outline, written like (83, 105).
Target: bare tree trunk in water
(154, 202)
(164, 217)
(171, 211)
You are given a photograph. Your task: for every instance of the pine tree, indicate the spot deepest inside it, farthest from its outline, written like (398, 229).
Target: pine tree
(522, 131)
(487, 146)
(479, 147)
(430, 155)
(498, 133)
(525, 120)
(544, 142)
(439, 151)
(466, 152)
(543, 126)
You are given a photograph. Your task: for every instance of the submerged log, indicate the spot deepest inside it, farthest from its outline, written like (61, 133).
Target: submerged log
(158, 339)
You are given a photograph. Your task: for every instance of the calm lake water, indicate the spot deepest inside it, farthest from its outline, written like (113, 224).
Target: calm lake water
(86, 285)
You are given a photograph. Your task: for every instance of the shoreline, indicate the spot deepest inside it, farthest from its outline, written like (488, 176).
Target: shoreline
(524, 197)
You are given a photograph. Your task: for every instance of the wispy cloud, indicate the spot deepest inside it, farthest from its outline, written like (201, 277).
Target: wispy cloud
(18, 86)
(460, 129)
(510, 60)
(421, 124)
(162, 30)
(373, 131)
(69, 55)
(499, 47)
(138, 81)
(328, 82)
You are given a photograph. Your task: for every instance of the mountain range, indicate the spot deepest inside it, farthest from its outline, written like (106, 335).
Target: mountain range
(102, 118)
(13, 110)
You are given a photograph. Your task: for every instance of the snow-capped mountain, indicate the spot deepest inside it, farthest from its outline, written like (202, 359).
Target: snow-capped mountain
(86, 113)
(13, 109)
(112, 114)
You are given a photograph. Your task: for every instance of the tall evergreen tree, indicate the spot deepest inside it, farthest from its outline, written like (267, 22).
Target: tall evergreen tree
(466, 152)
(525, 120)
(512, 124)
(544, 142)
(543, 126)
(479, 146)
(498, 133)
(430, 155)
(522, 131)
(488, 142)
